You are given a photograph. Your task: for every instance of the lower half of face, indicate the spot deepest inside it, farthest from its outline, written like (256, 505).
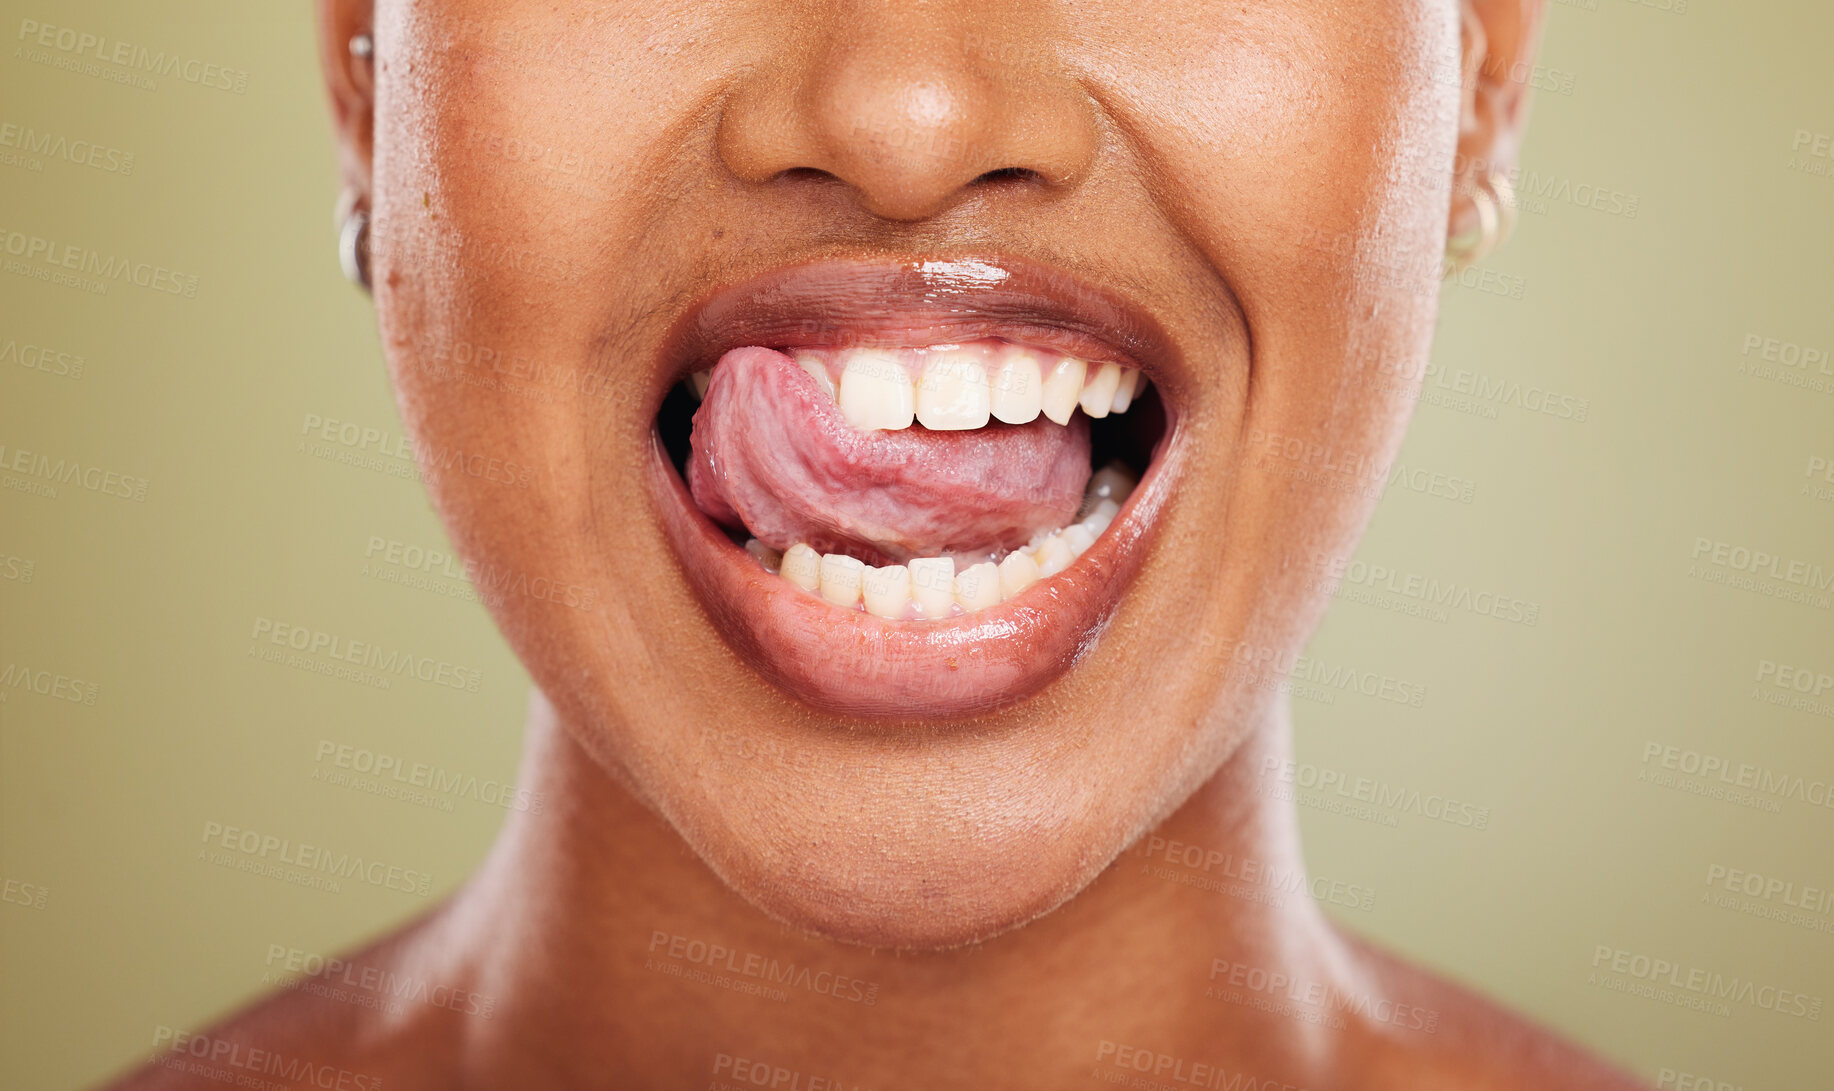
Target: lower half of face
(908, 450)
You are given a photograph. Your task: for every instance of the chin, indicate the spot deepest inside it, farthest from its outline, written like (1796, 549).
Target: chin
(919, 894)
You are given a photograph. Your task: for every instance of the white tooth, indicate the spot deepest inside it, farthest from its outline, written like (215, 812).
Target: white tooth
(1124, 393)
(841, 576)
(1017, 388)
(812, 364)
(1098, 393)
(1062, 385)
(1100, 516)
(887, 590)
(801, 565)
(1017, 572)
(1053, 556)
(1112, 482)
(876, 391)
(978, 587)
(771, 559)
(1079, 538)
(698, 381)
(933, 584)
(952, 393)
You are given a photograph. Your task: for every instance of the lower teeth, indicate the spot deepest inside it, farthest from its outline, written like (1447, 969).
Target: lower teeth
(930, 587)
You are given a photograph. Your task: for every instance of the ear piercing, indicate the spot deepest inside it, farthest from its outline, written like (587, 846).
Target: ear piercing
(353, 237)
(1494, 198)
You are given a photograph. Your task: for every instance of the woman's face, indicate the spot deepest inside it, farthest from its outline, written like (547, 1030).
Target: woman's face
(577, 206)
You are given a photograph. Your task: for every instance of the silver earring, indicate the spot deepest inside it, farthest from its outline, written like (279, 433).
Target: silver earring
(1494, 200)
(353, 238)
(362, 46)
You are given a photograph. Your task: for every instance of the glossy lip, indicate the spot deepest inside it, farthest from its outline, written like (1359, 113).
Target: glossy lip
(914, 304)
(852, 663)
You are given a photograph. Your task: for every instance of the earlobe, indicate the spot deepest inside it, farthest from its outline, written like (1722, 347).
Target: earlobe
(352, 217)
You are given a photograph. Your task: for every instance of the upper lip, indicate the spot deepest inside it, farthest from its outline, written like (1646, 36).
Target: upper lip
(917, 302)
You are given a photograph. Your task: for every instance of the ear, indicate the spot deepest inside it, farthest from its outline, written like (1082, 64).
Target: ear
(350, 81)
(1500, 40)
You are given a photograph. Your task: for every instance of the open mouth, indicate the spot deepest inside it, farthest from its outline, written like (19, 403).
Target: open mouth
(915, 490)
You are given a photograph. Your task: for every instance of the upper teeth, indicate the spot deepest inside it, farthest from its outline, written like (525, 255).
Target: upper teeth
(957, 387)
(875, 391)
(952, 393)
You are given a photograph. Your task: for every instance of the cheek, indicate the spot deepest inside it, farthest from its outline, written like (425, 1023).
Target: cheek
(554, 150)
(493, 247)
(1308, 156)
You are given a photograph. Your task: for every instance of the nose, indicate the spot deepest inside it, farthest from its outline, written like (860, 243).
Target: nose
(912, 105)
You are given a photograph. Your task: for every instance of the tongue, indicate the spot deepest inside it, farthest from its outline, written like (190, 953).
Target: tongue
(773, 456)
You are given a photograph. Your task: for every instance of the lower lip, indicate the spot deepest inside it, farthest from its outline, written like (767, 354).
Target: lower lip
(854, 664)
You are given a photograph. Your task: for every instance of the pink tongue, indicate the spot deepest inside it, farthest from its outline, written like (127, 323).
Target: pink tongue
(772, 453)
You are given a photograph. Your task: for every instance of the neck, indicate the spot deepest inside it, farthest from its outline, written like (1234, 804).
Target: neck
(610, 948)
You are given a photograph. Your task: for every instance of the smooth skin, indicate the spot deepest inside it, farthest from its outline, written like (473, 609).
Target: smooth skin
(1273, 180)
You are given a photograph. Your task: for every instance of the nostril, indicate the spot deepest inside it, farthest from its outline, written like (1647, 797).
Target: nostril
(805, 174)
(1008, 174)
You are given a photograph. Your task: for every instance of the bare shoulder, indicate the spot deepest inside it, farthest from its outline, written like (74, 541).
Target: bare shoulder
(365, 1021)
(1453, 1038)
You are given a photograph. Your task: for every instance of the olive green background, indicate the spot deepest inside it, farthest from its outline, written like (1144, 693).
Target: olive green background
(1688, 116)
